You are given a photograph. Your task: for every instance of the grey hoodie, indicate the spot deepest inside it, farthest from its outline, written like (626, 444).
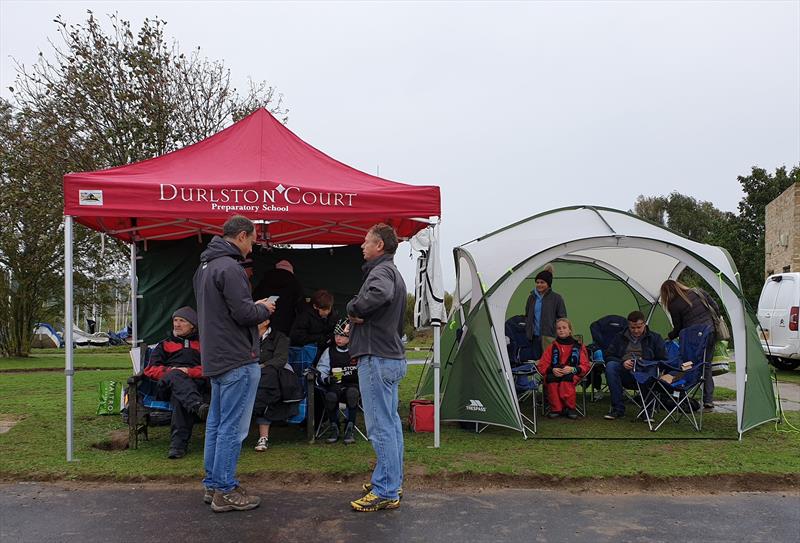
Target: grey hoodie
(226, 312)
(381, 302)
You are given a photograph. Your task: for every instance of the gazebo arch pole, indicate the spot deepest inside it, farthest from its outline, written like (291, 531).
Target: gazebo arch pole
(69, 370)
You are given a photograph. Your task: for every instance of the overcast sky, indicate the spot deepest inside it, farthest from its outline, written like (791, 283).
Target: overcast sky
(511, 108)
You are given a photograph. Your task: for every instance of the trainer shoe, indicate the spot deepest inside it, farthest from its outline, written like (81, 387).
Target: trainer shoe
(553, 414)
(262, 445)
(334, 437)
(235, 500)
(598, 395)
(572, 414)
(372, 502)
(175, 453)
(613, 415)
(208, 495)
(367, 487)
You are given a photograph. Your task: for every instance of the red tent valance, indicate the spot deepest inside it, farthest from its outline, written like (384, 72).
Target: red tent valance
(257, 168)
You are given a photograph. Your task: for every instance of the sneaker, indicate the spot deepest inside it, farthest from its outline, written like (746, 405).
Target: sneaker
(613, 415)
(572, 414)
(235, 500)
(349, 430)
(175, 453)
(706, 407)
(372, 502)
(334, 437)
(202, 411)
(367, 487)
(208, 495)
(553, 414)
(262, 445)
(598, 395)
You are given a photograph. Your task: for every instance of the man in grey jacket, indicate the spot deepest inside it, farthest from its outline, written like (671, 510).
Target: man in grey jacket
(229, 336)
(376, 314)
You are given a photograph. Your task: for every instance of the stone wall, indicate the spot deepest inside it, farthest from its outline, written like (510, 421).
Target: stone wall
(782, 232)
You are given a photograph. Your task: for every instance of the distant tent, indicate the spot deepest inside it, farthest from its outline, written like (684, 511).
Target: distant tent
(45, 337)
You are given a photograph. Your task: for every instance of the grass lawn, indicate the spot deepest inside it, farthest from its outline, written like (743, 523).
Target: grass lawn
(788, 376)
(35, 447)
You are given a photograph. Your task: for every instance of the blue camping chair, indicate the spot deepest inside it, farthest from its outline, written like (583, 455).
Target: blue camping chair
(676, 394)
(603, 331)
(520, 353)
(301, 359)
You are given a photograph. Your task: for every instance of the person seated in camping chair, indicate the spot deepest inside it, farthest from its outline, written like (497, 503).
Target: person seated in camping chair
(637, 342)
(278, 383)
(337, 360)
(314, 322)
(175, 364)
(563, 364)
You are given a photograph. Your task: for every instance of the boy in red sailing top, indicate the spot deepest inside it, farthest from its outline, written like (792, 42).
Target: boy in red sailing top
(563, 364)
(175, 364)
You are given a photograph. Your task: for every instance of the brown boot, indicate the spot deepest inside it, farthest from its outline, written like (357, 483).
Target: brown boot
(235, 500)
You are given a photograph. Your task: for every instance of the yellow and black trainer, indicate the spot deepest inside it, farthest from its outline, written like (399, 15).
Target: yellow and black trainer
(372, 502)
(367, 487)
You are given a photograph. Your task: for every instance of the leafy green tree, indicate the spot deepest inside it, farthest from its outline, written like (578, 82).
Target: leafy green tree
(99, 99)
(760, 188)
(741, 235)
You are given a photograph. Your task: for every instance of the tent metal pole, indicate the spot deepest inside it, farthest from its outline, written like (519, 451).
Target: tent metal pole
(134, 298)
(437, 331)
(69, 370)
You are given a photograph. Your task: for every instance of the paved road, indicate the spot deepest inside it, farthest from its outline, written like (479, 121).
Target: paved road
(44, 512)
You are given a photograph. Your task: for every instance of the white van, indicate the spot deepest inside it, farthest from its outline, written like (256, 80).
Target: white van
(778, 313)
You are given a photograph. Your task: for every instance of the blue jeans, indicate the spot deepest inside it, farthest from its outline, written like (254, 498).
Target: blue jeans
(618, 377)
(378, 381)
(232, 396)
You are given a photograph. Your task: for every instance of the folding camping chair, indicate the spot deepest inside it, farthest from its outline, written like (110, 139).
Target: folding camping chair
(302, 359)
(645, 374)
(325, 423)
(603, 331)
(520, 353)
(143, 408)
(677, 394)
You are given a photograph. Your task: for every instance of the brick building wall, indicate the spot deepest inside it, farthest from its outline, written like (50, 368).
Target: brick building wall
(782, 232)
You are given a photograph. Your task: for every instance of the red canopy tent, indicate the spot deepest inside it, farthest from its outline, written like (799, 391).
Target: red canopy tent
(258, 168)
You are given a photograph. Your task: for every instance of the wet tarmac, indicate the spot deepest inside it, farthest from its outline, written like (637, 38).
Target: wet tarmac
(45, 512)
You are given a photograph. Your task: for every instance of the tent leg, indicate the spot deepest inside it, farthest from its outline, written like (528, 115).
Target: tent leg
(134, 299)
(69, 369)
(437, 330)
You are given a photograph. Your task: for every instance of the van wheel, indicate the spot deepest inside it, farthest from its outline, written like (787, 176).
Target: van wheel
(786, 364)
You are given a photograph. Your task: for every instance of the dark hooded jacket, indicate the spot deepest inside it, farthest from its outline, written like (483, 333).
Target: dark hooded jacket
(226, 312)
(285, 285)
(684, 315)
(381, 302)
(652, 346)
(309, 327)
(279, 391)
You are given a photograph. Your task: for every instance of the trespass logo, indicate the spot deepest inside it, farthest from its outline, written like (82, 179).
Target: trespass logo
(278, 199)
(475, 405)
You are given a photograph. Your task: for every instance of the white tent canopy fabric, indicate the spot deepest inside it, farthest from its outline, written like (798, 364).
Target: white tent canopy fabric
(643, 254)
